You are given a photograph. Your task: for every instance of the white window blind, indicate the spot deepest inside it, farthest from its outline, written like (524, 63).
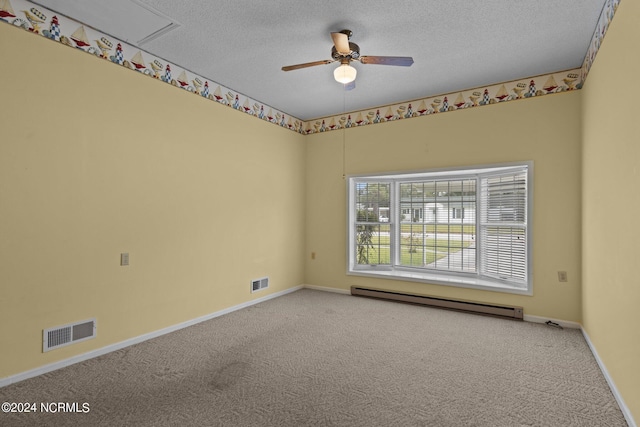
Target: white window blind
(503, 226)
(372, 228)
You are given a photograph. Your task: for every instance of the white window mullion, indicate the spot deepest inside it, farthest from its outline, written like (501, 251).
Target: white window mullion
(479, 237)
(395, 223)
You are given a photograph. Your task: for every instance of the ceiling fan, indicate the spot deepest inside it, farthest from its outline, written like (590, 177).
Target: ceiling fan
(345, 51)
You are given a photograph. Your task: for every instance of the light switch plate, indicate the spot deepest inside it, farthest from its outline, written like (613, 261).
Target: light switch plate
(124, 258)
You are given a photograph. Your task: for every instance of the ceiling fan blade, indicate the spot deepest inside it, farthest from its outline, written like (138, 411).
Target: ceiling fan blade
(402, 61)
(306, 64)
(341, 42)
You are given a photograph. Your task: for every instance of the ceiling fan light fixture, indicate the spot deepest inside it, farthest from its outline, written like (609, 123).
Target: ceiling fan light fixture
(345, 73)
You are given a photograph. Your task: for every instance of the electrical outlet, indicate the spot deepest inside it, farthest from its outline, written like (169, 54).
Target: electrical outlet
(562, 276)
(124, 258)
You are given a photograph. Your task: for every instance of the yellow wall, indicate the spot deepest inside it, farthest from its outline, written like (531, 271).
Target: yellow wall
(611, 202)
(96, 160)
(545, 130)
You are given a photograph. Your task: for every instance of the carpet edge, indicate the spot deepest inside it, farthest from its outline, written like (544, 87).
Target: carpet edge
(623, 406)
(12, 379)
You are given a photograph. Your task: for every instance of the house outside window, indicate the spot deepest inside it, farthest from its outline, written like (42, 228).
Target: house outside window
(462, 227)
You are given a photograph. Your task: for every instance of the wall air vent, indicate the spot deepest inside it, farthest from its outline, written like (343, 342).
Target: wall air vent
(259, 284)
(61, 336)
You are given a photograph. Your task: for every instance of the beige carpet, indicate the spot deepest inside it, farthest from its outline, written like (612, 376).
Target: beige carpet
(313, 358)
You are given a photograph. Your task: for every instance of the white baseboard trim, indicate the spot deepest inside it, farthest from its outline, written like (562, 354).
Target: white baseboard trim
(327, 289)
(117, 346)
(126, 343)
(563, 323)
(574, 325)
(623, 406)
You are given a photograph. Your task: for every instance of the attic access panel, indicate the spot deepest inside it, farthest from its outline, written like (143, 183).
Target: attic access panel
(126, 20)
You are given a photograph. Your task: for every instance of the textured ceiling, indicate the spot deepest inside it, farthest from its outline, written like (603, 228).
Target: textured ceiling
(456, 45)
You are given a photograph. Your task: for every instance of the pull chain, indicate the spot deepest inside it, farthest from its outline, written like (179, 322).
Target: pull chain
(344, 131)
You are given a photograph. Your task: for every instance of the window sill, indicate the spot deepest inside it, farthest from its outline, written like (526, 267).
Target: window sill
(443, 279)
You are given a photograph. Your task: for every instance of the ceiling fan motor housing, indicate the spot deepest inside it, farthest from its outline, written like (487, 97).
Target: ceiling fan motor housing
(354, 54)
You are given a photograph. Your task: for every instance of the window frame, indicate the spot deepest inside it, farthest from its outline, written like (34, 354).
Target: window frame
(394, 271)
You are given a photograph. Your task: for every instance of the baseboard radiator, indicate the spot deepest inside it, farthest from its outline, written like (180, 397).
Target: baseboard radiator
(466, 306)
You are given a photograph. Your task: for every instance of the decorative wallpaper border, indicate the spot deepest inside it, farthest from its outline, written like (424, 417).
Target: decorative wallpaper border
(86, 39)
(38, 20)
(488, 95)
(606, 16)
(502, 92)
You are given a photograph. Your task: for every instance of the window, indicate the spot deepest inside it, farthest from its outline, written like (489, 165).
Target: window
(463, 227)
(457, 213)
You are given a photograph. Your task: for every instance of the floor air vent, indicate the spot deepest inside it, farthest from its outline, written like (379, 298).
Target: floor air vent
(259, 284)
(466, 306)
(61, 336)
